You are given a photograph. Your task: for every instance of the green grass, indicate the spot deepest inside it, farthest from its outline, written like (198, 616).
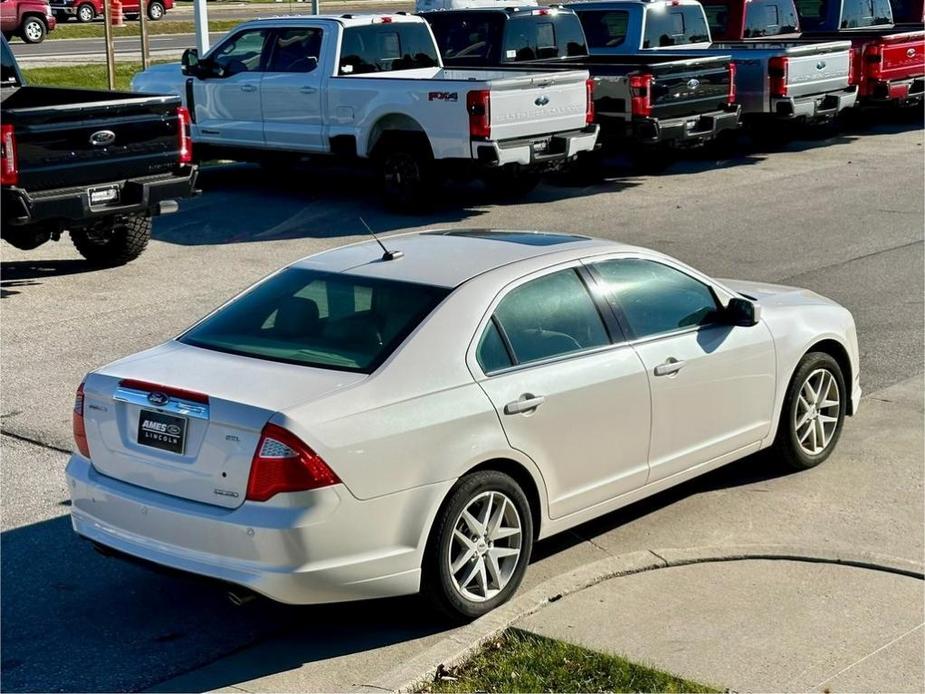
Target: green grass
(518, 661)
(73, 30)
(86, 76)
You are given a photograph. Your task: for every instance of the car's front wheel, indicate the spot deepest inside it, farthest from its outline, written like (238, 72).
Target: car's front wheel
(479, 546)
(33, 30)
(86, 13)
(813, 412)
(155, 11)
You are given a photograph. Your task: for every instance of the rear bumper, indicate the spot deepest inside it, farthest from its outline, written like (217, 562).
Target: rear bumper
(73, 204)
(816, 106)
(897, 92)
(311, 547)
(543, 151)
(684, 132)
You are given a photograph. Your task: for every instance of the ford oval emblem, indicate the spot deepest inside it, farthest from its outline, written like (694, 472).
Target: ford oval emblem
(911, 53)
(820, 65)
(157, 398)
(101, 138)
(693, 84)
(541, 100)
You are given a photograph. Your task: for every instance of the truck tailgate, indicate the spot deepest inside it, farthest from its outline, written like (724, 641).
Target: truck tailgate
(64, 139)
(689, 87)
(825, 68)
(903, 56)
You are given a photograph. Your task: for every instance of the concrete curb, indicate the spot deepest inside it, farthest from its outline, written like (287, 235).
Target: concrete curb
(461, 643)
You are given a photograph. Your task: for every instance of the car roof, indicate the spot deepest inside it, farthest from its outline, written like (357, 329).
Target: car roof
(517, 11)
(345, 20)
(449, 257)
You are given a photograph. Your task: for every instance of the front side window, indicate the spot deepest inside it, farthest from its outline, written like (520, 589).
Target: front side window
(549, 317)
(243, 52)
(295, 50)
(473, 39)
(604, 29)
(670, 25)
(655, 298)
(319, 319)
(387, 47)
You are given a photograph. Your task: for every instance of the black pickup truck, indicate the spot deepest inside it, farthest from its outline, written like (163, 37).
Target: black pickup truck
(97, 164)
(675, 100)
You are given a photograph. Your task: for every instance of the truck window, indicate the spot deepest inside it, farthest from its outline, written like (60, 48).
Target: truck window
(865, 13)
(387, 48)
(717, 19)
(473, 37)
(243, 52)
(674, 25)
(295, 50)
(769, 18)
(533, 37)
(812, 13)
(604, 28)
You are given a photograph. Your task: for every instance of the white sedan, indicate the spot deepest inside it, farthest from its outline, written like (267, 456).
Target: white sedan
(361, 425)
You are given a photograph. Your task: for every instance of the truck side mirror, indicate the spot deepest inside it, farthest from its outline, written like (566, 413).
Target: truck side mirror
(742, 312)
(190, 62)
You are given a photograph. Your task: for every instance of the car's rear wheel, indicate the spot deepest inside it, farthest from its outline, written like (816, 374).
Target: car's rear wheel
(33, 30)
(813, 412)
(114, 244)
(479, 546)
(155, 11)
(409, 178)
(86, 13)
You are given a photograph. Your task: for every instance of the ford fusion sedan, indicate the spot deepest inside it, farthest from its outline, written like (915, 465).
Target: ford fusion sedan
(361, 424)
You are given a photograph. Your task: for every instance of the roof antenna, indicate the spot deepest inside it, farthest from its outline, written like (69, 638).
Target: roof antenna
(386, 253)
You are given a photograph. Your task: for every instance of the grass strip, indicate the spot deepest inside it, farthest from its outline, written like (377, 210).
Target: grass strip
(73, 30)
(91, 76)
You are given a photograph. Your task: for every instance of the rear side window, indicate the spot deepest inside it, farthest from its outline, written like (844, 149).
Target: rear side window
(764, 18)
(295, 50)
(471, 38)
(550, 316)
(674, 25)
(864, 13)
(604, 28)
(492, 354)
(534, 37)
(318, 319)
(386, 48)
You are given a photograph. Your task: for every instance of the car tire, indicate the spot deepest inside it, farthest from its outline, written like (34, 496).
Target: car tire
(155, 11)
(406, 166)
(33, 30)
(813, 412)
(86, 13)
(511, 183)
(121, 242)
(449, 591)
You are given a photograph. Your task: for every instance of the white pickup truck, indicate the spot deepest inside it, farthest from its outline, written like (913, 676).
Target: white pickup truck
(374, 87)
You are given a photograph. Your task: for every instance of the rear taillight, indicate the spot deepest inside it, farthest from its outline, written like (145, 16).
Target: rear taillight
(184, 140)
(851, 77)
(9, 160)
(589, 102)
(77, 423)
(778, 72)
(731, 98)
(283, 463)
(478, 104)
(873, 61)
(641, 95)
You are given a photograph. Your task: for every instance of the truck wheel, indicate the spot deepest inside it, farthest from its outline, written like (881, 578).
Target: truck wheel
(33, 30)
(116, 243)
(510, 182)
(155, 11)
(86, 13)
(407, 168)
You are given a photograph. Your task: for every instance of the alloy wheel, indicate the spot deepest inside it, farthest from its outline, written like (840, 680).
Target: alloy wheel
(155, 11)
(486, 546)
(85, 13)
(34, 31)
(816, 415)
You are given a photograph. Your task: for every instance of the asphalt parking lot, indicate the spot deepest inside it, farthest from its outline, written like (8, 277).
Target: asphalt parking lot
(841, 214)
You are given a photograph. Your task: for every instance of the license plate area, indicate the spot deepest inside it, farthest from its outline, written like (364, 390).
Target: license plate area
(162, 431)
(103, 195)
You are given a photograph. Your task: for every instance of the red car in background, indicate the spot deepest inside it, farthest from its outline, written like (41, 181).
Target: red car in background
(30, 20)
(88, 10)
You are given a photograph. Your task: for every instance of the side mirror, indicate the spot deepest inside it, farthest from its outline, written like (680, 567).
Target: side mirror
(742, 312)
(190, 61)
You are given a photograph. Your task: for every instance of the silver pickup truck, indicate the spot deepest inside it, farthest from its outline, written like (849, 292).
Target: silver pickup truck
(777, 78)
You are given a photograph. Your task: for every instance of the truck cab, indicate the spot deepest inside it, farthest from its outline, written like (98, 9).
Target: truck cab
(30, 20)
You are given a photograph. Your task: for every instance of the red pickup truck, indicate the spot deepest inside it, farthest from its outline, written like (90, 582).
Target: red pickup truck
(88, 10)
(889, 60)
(30, 20)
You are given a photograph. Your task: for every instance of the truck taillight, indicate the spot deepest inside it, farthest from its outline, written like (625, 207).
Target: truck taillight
(873, 61)
(77, 423)
(283, 463)
(184, 138)
(852, 79)
(732, 84)
(9, 160)
(589, 101)
(778, 72)
(478, 104)
(641, 95)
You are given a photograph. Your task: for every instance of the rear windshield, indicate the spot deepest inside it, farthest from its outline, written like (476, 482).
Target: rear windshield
(543, 37)
(386, 48)
(770, 18)
(604, 28)
(718, 19)
(674, 25)
(473, 38)
(319, 319)
(855, 14)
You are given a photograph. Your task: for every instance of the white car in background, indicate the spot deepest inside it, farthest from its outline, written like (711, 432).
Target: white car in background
(361, 425)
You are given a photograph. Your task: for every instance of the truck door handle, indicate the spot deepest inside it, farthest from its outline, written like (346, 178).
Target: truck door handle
(670, 367)
(308, 90)
(526, 403)
(248, 88)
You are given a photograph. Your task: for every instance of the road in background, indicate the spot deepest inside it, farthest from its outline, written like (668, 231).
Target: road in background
(841, 216)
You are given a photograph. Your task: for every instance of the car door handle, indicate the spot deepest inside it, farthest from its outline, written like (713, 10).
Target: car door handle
(248, 88)
(670, 367)
(527, 403)
(308, 90)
